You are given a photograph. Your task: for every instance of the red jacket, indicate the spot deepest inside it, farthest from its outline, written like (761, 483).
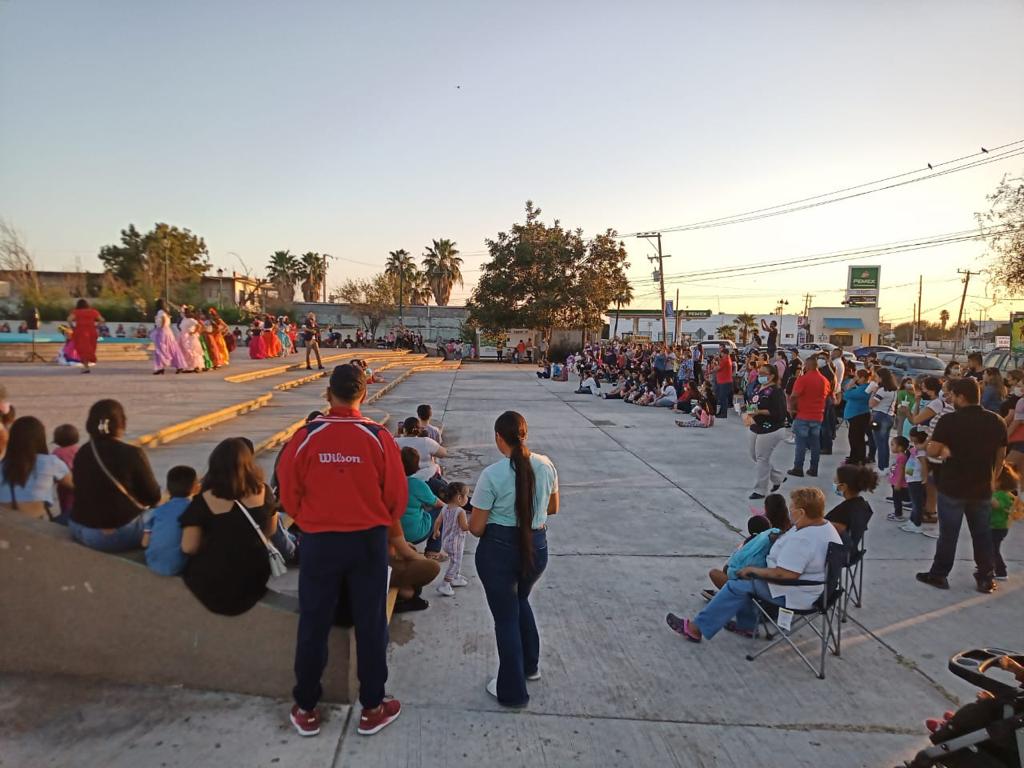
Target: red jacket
(342, 472)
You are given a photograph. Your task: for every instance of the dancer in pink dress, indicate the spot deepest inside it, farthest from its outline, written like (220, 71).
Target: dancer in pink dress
(191, 349)
(166, 352)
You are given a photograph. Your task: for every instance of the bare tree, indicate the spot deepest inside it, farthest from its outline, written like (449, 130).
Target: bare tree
(17, 262)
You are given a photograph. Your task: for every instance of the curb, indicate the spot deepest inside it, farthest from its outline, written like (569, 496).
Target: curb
(175, 431)
(276, 370)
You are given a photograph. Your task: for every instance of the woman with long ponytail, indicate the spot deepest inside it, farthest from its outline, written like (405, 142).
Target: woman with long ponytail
(511, 503)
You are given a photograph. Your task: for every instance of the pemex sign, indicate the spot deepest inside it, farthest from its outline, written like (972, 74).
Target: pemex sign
(862, 286)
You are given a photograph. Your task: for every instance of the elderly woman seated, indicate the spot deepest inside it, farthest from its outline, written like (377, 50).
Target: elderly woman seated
(800, 553)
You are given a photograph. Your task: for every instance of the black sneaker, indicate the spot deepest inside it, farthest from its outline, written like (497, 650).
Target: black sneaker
(986, 586)
(755, 496)
(412, 604)
(934, 581)
(795, 472)
(812, 473)
(778, 485)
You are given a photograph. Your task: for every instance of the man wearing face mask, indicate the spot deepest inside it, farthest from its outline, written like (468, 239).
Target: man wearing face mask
(975, 367)
(809, 393)
(971, 442)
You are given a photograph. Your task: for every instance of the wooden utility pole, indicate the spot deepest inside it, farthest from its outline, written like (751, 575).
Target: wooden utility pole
(917, 324)
(675, 337)
(661, 280)
(963, 297)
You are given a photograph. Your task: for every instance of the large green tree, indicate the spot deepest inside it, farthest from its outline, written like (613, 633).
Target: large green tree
(164, 254)
(1004, 223)
(371, 300)
(546, 276)
(403, 272)
(282, 270)
(443, 268)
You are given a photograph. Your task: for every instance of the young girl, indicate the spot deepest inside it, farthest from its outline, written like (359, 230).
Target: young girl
(904, 403)
(1005, 508)
(704, 411)
(451, 527)
(899, 447)
(914, 472)
(65, 437)
(850, 482)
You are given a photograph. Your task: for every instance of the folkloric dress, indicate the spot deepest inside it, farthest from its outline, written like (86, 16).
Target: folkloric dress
(166, 352)
(191, 348)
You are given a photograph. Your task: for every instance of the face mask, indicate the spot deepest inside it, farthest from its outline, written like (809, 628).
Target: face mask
(762, 379)
(954, 371)
(1018, 391)
(835, 489)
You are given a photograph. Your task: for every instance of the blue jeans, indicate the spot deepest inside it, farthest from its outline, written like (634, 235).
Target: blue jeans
(828, 426)
(917, 496)
(499, 566)
(881, 430)
(723, 392)
(128, 536)
(735, 599)
(951, 516)
(284, 541)
(808, 435)
(356, 561)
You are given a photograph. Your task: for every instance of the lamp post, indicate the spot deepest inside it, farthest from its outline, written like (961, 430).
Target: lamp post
(220, 288)
(781, 306)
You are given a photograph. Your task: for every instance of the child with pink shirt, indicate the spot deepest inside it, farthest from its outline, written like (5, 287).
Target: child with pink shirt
(65, 437)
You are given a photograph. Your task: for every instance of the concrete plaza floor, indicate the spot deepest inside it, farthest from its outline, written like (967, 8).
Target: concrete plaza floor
(646, 509)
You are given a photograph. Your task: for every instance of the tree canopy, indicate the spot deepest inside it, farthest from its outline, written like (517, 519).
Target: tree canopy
(442, 266)
(371, 300)
(141, 259)
(1005, 222)
(546, 276)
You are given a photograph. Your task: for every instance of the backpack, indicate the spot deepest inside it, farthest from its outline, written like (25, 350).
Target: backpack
(754, 552)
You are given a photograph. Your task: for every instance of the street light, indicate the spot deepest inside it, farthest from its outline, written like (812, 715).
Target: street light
(782, 304)
(220, 288)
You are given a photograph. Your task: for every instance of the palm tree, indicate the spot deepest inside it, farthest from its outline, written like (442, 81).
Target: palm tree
(727, 332)
(311, 270)
(441, 263)
(944, 318)
(281, 271)
(746, 323)
(418, 289)
(401, 268)
(623, 295)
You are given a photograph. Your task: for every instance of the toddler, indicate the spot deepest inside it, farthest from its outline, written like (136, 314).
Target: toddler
(913, 473)
(65, 437)
(1006, 507)
(898, 448)
(161, 534)
(452, 526)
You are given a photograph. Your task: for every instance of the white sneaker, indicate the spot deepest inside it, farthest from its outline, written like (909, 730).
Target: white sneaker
(460, 581)
(492, 687)
(444, 588)
(535, 675)
(911, 528)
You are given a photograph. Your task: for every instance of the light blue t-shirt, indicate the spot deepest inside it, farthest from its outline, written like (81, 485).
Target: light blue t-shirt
(496, 491)
(40, 484)
(164, 555)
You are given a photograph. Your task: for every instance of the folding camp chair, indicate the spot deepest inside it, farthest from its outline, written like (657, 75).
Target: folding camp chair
(827, 608)
(853, 573)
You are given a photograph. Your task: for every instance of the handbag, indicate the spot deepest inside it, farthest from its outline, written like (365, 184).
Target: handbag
(117, 483)
(278, 567)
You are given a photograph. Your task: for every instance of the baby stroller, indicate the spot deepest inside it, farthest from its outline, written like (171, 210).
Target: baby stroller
(989, 732)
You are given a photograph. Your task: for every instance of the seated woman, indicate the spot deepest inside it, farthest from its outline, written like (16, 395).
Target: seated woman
(754, 549)
(29, 474)
(114, 484)
(668, 397)
(589, 385)
(411, 434)
(688, 394)
(228, 567)
(422, 508)
(704, 412)
(800, 553)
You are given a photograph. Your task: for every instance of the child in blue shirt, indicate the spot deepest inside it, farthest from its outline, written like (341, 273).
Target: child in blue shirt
(161, 536)
(423, 507)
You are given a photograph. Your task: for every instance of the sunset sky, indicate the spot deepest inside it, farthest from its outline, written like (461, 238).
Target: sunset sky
(359, 128)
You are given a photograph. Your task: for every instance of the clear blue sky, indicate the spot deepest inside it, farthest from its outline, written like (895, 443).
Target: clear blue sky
(339, 127)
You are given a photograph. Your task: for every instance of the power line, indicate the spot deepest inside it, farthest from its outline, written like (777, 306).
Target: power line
(1013, 149)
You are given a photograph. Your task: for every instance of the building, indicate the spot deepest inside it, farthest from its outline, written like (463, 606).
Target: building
(435, 323)
(844, 326)
(51, 283)
(695, 325)
(234, 290)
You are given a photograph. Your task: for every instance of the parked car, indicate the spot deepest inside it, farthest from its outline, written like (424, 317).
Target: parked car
(909, 364)
(715, 347)
(1004, 360)
(862, 352)
(813, 348)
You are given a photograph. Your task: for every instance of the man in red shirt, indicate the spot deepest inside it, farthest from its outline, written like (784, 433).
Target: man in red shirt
(724, 386)
(341, 478)
(808, 400)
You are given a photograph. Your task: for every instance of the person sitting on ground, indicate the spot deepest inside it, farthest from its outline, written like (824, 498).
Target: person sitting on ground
(29, 473)
(688, 394)
(410, 571)
(800, 554)
(545, 371)
(228, 567)
(114, 484)
(423, 507)
(850, 482)
(65, 437)
(161, 535)
(425, 413)
(668, 397)
(704, 412)
(754, 549)
(589, 385)
(411, 435)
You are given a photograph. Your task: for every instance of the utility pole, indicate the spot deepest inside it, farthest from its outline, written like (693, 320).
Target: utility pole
(807, 303)
(963, 297)
(675, 338)
(401, 308)
(917, 323)
(661, 280)
(325, 277)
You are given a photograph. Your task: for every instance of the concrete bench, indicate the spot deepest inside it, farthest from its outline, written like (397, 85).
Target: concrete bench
(67, 609)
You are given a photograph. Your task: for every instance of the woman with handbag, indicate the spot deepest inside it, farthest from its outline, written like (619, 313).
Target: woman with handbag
(114, 484)
(29, 473)
(226, 531)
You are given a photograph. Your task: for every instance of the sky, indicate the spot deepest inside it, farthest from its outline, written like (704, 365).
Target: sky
(359, 128)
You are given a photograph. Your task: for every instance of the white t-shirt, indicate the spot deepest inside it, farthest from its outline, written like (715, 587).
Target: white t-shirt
(40, 484)
(840, 367)
(804, 551)
(426, 448)
(669, 391)
(886, 397)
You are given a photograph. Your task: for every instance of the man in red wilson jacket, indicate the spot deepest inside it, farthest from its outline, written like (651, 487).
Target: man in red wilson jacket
(341, 478)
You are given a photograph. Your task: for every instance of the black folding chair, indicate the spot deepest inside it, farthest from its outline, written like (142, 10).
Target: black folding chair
(826, 608)
(853, 573)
